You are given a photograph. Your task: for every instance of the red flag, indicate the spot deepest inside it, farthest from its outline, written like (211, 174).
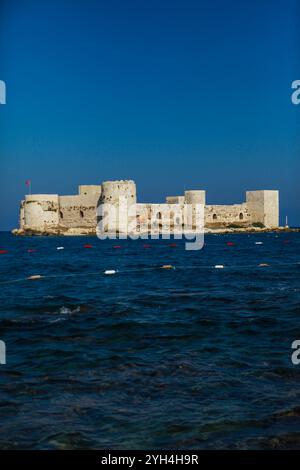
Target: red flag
(27, 182)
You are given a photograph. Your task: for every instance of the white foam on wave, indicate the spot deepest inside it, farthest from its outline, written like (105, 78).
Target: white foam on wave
(67, 311)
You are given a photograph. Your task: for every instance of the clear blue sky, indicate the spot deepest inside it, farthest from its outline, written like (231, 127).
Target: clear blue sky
(173, 94)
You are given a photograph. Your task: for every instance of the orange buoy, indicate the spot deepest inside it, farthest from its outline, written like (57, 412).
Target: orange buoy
(2, 252)
(87, 246)
(117, 246)
(230, 244)
(167, 266)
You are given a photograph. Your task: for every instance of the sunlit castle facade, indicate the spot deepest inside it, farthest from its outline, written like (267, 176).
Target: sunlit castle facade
(113, 207)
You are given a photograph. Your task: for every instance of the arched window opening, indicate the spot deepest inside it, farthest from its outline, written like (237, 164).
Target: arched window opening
(241, 216)
(138, 222)
(61, 215)
(81, 214)
(215, 217)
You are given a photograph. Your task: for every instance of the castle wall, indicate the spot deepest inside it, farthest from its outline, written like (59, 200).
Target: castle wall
(78, 211)
(143, 217)
(227, 214)
(175, 200)
(85, 189)
(163, 216)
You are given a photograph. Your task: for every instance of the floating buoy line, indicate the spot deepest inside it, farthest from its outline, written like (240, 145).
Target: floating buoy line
(111, 272)
(144, 246)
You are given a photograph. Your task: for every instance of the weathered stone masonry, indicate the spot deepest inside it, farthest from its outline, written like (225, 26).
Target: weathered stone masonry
(77, 214)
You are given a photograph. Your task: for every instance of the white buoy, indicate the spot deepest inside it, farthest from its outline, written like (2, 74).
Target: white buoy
(110, 271)
(219, 266)
(60, 247)
(34, 277)
(258, 243)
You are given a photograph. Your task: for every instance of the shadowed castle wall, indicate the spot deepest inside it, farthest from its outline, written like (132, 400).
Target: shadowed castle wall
(22, 214)
(78, 211)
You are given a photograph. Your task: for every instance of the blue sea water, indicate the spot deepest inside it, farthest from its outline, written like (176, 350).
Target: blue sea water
(190, 358)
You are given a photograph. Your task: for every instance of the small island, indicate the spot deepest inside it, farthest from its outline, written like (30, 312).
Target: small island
(52, 214)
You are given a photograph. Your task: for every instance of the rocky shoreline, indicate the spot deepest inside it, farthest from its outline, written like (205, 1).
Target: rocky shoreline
(84, 232)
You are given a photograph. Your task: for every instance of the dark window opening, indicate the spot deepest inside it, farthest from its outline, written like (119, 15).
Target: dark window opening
(215, 217)
(172, 219)
(61, 214)
(241, 216)
(81, 214)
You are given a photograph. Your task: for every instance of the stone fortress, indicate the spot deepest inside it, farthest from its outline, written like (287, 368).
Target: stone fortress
(44, 214)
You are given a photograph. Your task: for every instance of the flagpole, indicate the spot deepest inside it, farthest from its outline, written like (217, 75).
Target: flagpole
(28, 184)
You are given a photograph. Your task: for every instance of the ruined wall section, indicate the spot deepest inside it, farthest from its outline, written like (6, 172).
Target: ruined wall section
(224, 215)
(78, 211)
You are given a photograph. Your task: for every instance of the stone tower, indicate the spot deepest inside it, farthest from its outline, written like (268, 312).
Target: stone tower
(115, 201)
(263, 207)
(40, 211)
(194, 198)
